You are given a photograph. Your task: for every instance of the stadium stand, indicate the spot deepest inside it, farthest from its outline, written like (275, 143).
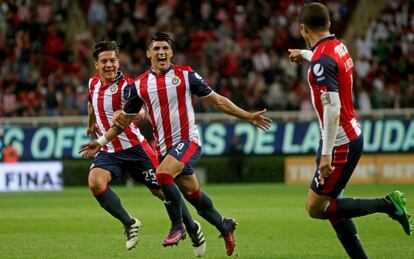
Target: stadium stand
(240, 48)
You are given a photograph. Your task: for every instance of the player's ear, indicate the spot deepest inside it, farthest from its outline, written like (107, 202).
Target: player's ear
(148, 54)
(302, 27)
(96, 64)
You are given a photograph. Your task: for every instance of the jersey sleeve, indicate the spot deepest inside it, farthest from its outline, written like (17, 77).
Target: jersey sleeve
(197, 85)
(325, 72)
(133, 101)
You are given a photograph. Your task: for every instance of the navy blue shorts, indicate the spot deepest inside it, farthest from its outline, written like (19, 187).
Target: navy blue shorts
(345, 158)
(187, 152)
(138, 161)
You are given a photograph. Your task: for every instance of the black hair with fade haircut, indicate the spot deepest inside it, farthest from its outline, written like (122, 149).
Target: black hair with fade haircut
(161, 36)
(315, 16)
(105, 46)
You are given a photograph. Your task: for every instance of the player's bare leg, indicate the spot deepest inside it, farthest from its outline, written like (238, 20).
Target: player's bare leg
(345, 228)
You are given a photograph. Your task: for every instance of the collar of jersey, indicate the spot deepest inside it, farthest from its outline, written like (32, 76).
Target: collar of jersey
(329, 37)
(118, 77)
(163, 72)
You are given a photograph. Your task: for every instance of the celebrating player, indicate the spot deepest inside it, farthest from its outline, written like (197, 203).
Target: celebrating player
(330, 79)
(129, 152)
(167, 89)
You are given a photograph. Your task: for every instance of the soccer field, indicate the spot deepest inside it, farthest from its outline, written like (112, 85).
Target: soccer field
(272, 224)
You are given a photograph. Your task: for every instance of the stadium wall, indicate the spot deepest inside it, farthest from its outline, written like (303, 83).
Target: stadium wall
(233, 151)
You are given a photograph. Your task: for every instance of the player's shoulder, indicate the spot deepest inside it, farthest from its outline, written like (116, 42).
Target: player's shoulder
(128, 80)
(143, 75)
(93, 80)
(325, 46)
(183, 68)
(94, 77)
(332, 45)
(330, 48)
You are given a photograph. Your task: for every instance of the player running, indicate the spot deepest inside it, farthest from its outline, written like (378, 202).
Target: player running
(330, 79)
(127, 153)
(167, 89)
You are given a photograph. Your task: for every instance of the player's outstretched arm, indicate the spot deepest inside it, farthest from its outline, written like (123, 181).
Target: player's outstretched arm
(91, 148)
(300, 55)
(223, 104)
(120, 121)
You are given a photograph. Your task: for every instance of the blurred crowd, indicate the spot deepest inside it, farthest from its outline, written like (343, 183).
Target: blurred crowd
(384, 63)
(239, 47)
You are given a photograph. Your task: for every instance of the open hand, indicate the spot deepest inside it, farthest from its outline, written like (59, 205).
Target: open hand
(90, 149)
(261, 121)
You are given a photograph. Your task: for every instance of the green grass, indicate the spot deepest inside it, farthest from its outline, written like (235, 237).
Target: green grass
(272, 224)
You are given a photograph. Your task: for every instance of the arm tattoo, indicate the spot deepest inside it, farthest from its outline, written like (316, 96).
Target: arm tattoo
(118, 130)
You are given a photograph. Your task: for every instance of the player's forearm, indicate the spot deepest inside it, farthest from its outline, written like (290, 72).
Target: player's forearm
(140, 116)
(228, 107)
(120, 121)
(306, 54)
(331, 110)
(91, 115)
(109, 135)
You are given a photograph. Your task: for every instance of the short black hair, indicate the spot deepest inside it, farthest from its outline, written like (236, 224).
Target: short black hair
(161, 36)
(315, 16)
(105, 46)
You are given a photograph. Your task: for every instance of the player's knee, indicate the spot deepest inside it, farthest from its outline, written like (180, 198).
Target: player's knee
(164, 178)
(96, 184)
(157, 193)
(191, 195)
(314, 211)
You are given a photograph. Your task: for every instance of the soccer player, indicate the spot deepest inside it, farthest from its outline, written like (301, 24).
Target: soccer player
(129, 152)
(330, 78)
(167, 89)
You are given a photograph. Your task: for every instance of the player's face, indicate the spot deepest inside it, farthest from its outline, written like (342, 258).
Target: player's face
(160, 54)
(107, 65)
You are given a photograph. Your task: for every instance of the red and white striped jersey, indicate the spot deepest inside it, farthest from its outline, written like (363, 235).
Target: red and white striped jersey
(106, 99)
(331, 69)
(168, 98)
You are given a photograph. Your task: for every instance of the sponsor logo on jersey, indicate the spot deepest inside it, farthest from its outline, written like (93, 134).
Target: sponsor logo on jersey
(320, 79)
(318, 70)
(198, 76)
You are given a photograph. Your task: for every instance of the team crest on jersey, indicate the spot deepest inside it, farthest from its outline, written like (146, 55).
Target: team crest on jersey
(176, 81)
(113, 88)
